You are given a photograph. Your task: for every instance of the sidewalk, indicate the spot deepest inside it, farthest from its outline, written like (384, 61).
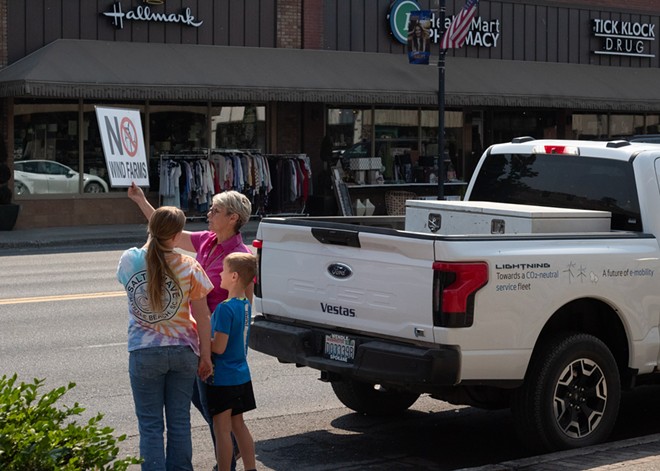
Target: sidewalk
(86, 236)
(637, 454)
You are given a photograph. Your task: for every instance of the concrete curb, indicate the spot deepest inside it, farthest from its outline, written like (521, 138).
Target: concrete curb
(86, 236)
(645, 446)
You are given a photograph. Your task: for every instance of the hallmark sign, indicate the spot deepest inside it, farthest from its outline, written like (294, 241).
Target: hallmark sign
(624, 38)
(144, 13)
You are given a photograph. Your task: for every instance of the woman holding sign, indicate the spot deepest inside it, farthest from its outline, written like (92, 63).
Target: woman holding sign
(230, 210)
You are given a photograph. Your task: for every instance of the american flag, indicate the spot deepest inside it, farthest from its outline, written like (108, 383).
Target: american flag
(458, 30)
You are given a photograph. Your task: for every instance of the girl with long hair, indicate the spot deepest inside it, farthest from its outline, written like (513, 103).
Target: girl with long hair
(168, 338)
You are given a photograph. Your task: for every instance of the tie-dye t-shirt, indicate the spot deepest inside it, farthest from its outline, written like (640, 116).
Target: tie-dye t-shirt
(174, 325)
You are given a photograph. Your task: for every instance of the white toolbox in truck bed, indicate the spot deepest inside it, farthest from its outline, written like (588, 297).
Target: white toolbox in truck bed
(485, 217)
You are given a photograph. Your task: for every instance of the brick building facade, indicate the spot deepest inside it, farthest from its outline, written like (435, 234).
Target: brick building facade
(281, 75)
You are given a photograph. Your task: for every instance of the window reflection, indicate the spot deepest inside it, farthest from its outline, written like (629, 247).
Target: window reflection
(46, 157)
(348, 126)
(238, 127)
(52, 132)
(590, 126)
(405, 139)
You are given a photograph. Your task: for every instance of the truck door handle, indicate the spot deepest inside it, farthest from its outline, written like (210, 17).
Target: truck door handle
(336, 237)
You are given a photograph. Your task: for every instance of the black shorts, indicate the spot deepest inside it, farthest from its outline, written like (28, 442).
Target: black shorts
(237, 398)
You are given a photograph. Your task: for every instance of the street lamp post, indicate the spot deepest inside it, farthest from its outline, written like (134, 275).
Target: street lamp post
(441, 106)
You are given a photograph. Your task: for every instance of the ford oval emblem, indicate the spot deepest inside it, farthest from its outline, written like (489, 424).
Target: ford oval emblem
(340, 270)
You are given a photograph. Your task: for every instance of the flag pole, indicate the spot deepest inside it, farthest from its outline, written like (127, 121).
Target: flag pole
(441, 106)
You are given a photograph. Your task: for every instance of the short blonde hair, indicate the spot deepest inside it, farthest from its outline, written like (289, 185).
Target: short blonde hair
(235, 203)
(243, 263)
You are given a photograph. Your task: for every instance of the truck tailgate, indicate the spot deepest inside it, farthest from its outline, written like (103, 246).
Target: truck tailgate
(382, 284)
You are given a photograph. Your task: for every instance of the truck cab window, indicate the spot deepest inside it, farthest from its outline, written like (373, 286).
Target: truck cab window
(560, 180)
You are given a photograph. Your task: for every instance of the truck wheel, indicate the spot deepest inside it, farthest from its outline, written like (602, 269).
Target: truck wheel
(571, 394)
(370, 399)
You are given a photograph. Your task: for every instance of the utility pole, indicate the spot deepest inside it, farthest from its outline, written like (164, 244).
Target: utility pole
(441, 106)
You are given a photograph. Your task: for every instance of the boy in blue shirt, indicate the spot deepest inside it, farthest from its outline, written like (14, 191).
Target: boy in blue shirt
(230, 391)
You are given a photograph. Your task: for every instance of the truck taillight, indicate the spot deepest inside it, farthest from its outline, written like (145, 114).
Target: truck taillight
(454, 287)
(556, 149)
(258, 244)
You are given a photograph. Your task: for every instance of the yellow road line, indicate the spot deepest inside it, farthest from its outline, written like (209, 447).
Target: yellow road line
(62, 297)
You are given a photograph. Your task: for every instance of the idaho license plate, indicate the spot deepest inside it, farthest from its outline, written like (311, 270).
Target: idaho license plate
(339, 347)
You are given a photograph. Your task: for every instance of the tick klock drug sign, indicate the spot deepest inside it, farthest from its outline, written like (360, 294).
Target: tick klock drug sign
(123, 146)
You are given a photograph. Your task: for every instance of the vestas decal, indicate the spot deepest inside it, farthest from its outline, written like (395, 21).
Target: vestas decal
(337, 310)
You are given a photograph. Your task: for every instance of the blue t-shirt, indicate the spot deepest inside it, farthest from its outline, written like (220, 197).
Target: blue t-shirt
(232, 317)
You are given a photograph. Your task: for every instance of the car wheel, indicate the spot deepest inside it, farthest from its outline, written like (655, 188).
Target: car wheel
(571, 394)
(94, 187)
(370, 399)
(20, 189)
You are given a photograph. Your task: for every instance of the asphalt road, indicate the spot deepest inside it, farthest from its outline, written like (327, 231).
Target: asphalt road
(64, 319)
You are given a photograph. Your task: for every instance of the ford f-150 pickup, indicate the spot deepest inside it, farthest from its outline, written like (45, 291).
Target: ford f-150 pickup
(540, 291)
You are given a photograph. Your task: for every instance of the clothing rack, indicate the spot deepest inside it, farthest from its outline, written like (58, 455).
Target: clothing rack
(245, 170)
(292, 183)
(185, 182)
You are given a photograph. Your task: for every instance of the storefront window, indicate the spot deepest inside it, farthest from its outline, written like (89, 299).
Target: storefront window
(46, 159)
(176, 128)
(397, 141)
(348, 126)
(453, 138)
(652, 124)
(406, 140)
(623, 125)
(238, 127)
(590, 126)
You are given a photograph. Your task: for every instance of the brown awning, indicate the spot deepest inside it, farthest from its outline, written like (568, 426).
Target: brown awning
(108, 70)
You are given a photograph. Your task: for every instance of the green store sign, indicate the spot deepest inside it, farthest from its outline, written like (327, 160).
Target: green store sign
(398, 18)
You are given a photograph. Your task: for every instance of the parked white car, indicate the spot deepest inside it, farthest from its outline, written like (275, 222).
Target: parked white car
(47, 176)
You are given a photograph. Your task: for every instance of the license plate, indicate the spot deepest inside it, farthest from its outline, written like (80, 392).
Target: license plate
(340, 348)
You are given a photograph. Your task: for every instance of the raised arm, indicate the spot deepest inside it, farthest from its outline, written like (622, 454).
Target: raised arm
(136, 194)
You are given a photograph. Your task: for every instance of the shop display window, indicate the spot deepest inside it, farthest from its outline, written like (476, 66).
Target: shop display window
(176, 128)
(590, 126)
(453, 140)
(50, 136)
(652, 123)
(348, 126)
(406, 141)
(613, 126)
(624, 125)
(47, 142)
(238, 127)
(46, 157)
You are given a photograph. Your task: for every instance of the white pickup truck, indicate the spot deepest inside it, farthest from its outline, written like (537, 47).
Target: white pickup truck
(539, 292)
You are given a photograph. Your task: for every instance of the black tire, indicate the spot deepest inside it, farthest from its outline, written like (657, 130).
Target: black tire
(571, 395)
(368, 399)
(94, 187)
(20, 189)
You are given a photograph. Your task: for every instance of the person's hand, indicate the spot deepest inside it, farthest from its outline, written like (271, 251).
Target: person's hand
(205, 367)
(135, 193)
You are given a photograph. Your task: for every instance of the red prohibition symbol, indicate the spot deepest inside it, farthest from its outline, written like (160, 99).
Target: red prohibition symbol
(129, 137)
